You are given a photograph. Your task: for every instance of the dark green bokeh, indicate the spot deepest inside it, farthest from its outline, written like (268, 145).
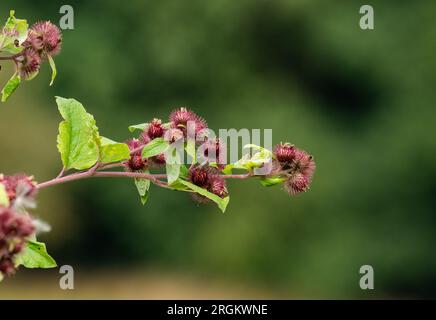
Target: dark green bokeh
(362, 102)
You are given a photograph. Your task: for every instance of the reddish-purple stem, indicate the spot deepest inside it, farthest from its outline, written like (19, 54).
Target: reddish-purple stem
(93, 172)
(13, 57)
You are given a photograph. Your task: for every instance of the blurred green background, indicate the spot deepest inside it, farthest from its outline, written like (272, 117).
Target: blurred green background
(362, 102)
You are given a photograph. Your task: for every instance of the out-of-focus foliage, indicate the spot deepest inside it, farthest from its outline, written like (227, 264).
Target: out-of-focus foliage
(362, 102)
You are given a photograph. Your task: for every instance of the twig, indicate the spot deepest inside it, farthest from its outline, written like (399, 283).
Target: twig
(237, 176)
(93, 172)
(61, 174)
(13, 57)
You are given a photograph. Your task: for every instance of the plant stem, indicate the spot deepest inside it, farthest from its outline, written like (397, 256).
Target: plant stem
(138, 175)
(111, 165)
(61, 174)
(90, 173)
(56, 181)
(93, 172)
(13, 57)
(237, 176)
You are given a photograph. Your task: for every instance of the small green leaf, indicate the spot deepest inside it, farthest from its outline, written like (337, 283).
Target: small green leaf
(32, 75)
(255, 161)
(221, 202)
(228, 169)
(54, 72)
(173, 171)
(4, 199)
(191, 150)
(143, 186)
(10, 86)
(112, 151)
(172, 166)
(155, 147)
(184, 172)
(78, 139)
(144, 198)
(141, 127)
(271, 181)
(263, 152)
(35, 255)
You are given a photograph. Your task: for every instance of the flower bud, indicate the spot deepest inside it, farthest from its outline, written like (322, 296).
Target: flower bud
(155, 129)
(158, 161)
(14, 229)
(29, 63)
(172, 135)
(284, 152)
(7, 267)
(199, 176)
(44, 37)
(135, 163)
(180, 118)
(296, 183)
(208, 178)
(11, 184)
(213, 150)
(218, 187)
(304, 164)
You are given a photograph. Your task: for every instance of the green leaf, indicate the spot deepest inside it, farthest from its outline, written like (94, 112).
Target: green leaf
(184, 171)
(78, 139)
(271, 181)
(35, 255)
(155, 147)
(143, 186)
(179, 186)
(247, 162)
(10, 86)
(4, 199)
(221, 202)
(53, 69)
(141, 127)
(228, 169)
(191, 150)
(14, 29)
(32, 75)
(173, 166)
(111, 151)
(173, 172)
(263, 153)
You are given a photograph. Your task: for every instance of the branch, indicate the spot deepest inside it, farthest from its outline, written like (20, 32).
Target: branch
(137, 175)
(93, 172)
(237, 176)
(111, 165)
(13, 57)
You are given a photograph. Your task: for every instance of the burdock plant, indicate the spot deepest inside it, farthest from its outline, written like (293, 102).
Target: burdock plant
(154, 156)
(28, 48)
